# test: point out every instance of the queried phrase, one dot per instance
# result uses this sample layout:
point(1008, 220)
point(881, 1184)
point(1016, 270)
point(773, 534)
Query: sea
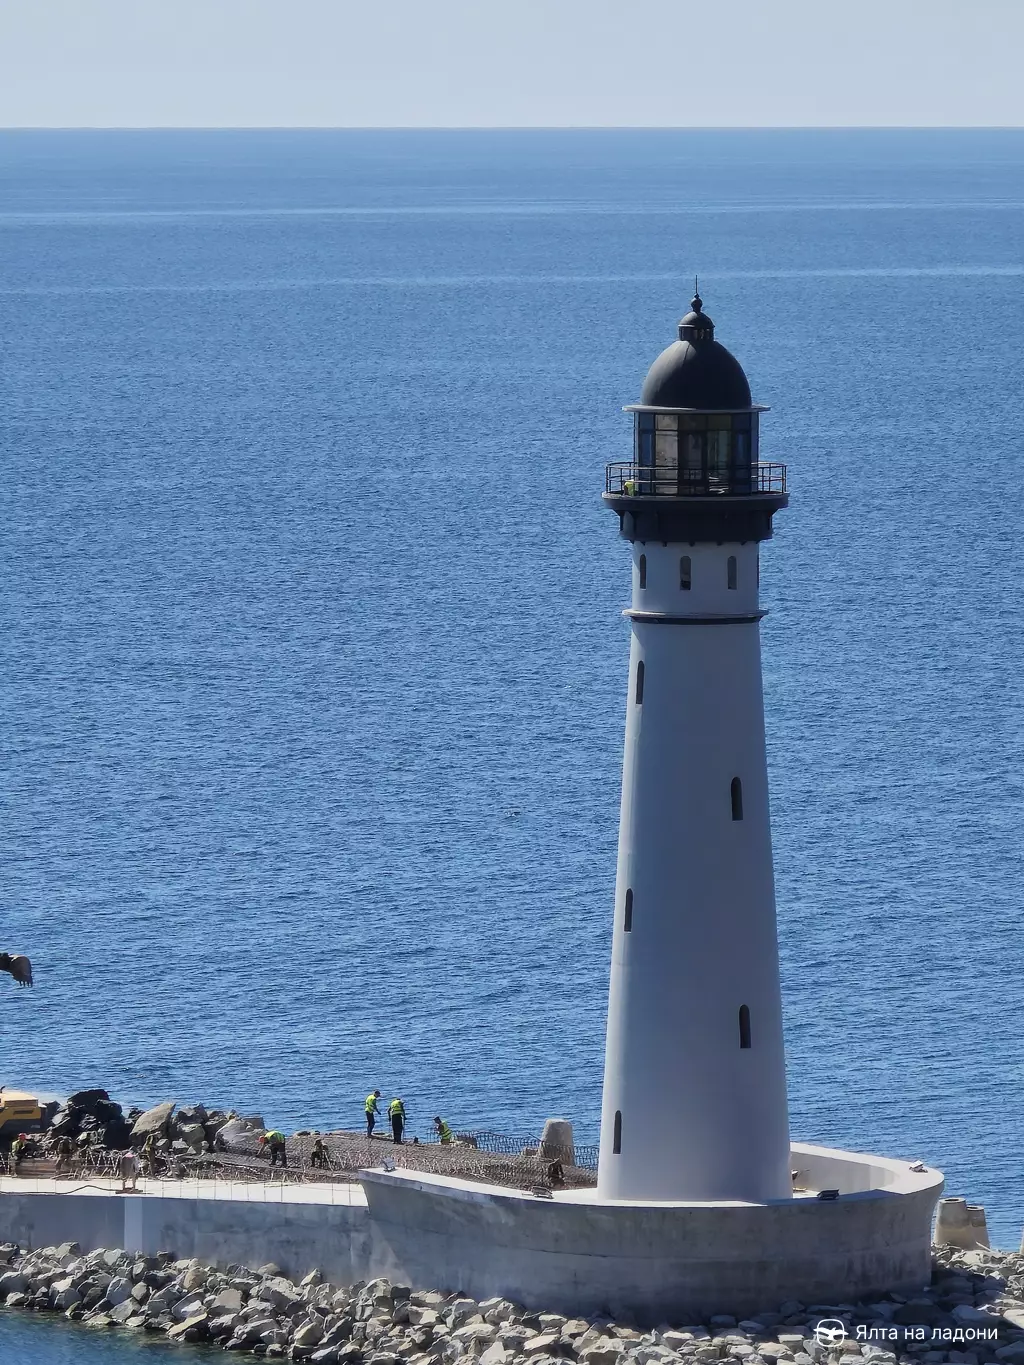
point(310, 623)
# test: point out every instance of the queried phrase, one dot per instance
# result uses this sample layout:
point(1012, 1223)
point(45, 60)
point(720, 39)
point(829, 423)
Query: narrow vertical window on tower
point(736, 795)
point(642, 566)
point(627, 916)
point(730, 571)
point(640, 683)
point(617, 1133)
point(684, 573)
point(744, 1026)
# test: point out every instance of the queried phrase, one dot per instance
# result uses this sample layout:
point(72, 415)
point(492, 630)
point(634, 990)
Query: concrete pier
point(570, 1253)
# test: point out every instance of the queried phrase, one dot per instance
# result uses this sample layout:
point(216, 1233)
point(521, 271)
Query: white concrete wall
point(659, 1262)
point(701, 1117)
point(298, 1237)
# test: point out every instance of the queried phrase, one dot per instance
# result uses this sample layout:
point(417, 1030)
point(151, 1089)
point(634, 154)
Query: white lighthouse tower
point(695, 1082)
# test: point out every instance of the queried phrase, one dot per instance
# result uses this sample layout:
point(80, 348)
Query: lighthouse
point(694, 1104)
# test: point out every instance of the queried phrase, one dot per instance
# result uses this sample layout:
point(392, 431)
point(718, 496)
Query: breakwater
point(972, 1312)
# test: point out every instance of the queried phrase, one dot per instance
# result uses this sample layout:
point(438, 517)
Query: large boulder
point(65, 1122)
point(191, 1113)
point(117, 1134)
point(86, 1099)
point(154, 1120)
point(239, 1135)
point(193, 1135)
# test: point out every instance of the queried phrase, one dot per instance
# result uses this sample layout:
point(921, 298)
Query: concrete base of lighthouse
point(663, 1262)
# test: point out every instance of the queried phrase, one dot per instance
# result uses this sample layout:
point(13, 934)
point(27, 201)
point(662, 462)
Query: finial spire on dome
point(696, 303)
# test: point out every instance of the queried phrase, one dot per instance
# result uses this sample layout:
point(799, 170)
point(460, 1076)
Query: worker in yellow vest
point(273, 1141)
point(371, 1112)
point(444, 1133)
point(396, 1113)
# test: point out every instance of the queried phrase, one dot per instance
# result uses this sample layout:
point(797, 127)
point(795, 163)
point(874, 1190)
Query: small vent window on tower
point(736, 795)
point(617, 1134)
point(643, 571)
point(684, 573)
point(640, 683)
point(627, 918)
point(730, 571)
point(744, 1026)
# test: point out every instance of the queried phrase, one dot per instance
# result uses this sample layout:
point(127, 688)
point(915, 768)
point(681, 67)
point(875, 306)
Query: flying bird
point(18, 965)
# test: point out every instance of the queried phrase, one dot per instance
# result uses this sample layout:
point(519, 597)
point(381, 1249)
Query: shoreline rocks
point(972, 1313)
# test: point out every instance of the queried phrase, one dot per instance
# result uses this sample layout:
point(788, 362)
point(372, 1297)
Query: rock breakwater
point(971, 1314)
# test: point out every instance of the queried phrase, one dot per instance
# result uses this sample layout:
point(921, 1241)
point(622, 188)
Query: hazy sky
point(246, 63)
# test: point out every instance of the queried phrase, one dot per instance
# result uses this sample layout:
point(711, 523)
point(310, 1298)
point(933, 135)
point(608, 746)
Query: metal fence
point(628, 479)
point(494, 1158)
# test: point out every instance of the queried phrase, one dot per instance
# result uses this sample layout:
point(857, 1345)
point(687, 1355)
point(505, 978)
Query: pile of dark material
point(92, 1118)
point(95, 1122)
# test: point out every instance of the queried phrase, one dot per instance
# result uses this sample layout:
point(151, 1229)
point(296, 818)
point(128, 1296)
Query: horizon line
point(512, 128)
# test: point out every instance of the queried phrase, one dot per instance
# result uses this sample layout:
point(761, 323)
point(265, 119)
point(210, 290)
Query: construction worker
point(319, 1155)
point(273, 1141)
point(64, 1150)
point(128, 1167)
point(444, 1133)
point(149, 1154)
point(18, 1151)
point(372, 1112)
point(396, 1113)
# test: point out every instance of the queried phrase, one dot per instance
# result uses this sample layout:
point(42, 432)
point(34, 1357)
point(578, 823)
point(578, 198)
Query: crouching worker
point(272, 1141)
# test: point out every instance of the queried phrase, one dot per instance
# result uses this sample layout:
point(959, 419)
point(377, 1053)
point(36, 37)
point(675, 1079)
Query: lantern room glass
point(696, 453)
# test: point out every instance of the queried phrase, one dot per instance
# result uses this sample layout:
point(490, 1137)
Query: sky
point(520, 63)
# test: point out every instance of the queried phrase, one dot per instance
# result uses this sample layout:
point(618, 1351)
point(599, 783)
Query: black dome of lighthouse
point(696, 371)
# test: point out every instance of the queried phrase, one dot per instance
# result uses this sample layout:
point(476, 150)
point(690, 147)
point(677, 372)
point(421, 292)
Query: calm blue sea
point(312, 656)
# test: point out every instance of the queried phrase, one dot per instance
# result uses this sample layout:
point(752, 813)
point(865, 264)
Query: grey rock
point(421, 1316)
point(194, 1278)
point(223, 1325)
point(154, 1120)
point(543, 1343)
point(188, 1307)
point(963, 1313)
point(602, 1354)
point(193, 1135)
point(280, 1292)
point(126, 1309)
point(308, 1333)
point(227, 1301)
point(194, 1328)
point(118, 1290)
point(239, 1135)
point(13, 1282)
point(496, 1354)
